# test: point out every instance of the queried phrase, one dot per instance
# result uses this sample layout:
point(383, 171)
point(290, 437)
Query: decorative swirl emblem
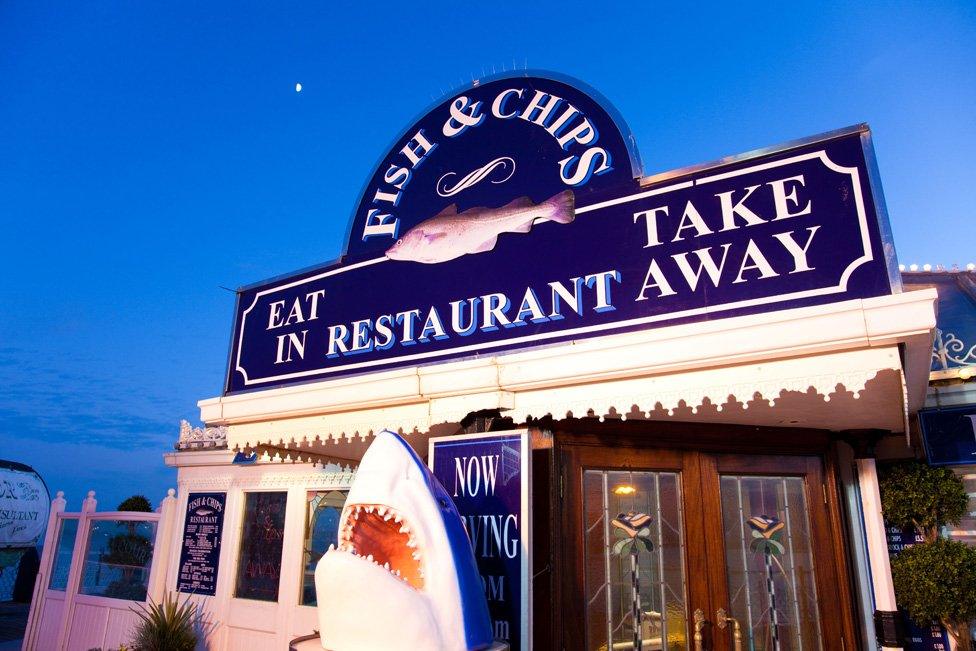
point(476, 176)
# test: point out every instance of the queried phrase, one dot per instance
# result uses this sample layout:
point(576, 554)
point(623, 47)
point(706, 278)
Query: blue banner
point(949, 435)
point(488, 252)
point(487, 475)
point(200, 553)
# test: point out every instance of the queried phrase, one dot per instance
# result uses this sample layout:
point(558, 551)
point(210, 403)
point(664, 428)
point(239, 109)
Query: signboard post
point(200, 554)
point(487, 475)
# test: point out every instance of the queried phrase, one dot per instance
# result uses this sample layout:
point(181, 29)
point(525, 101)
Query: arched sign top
point(516, 140)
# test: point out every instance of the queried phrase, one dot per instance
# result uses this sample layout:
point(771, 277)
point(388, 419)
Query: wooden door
point(701, 550)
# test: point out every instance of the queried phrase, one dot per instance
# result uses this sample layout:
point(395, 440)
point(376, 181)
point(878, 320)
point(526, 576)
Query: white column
point(90, 503)
point(161, 552)
point(44, 572)
point(874, 533)
point(88, 506)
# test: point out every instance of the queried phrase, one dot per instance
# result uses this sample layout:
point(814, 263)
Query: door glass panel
point(118, 559)
point(634, 561)
point(769, 561)
point(63, 551)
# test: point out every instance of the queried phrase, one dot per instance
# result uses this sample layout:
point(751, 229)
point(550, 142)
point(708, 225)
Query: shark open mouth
point(402, 558)
point(381, 535)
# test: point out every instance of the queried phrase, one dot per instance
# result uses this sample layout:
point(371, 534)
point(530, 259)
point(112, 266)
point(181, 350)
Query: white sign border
point(840, 287)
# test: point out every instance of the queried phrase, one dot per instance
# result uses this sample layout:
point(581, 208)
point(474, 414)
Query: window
point(118, 559)
point(322, 512)
point(965, 530)
point(62, 554)
point(262, 534)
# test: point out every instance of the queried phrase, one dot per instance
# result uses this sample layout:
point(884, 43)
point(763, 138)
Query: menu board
point(200, 555)
point(917, 638)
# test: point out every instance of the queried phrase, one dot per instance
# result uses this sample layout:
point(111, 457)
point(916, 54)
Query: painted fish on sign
point(450, 234)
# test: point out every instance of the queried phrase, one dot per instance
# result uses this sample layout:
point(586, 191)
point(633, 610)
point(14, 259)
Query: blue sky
point(154, 153)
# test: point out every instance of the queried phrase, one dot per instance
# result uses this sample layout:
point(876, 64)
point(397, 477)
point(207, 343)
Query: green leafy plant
point(937, 581)
point(136, 503)
point(166, 626)
point(914, 494)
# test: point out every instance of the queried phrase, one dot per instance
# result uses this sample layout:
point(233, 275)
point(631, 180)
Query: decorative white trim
point(949, 350)
point(417, 399)
point(194, 438)
point(840, 287)
point(269, 479)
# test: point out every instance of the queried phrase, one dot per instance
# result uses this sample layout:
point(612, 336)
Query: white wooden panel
point(253, 615)
point(47, 630)
point(87, 627)
point(247, 640)
point(305, 619)
point(120, 628)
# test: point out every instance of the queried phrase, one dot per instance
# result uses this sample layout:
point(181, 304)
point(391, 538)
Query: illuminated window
point(262, 535)
point(322, 512)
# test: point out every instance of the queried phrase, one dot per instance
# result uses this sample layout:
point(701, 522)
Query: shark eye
point(399, 242)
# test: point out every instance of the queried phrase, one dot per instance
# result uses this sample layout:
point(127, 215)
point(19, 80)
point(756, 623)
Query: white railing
point(64, 618)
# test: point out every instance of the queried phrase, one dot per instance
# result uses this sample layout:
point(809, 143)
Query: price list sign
point(200, 553)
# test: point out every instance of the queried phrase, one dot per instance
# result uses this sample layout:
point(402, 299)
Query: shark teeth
point(356, 515)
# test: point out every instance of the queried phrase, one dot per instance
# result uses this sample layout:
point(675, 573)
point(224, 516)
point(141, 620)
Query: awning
point(856, 365)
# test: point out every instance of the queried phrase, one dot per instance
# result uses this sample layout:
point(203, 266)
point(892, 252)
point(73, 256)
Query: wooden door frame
point(572, 437)
point(825, 545)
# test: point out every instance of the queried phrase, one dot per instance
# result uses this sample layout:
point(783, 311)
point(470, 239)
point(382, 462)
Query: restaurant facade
point(725, 350)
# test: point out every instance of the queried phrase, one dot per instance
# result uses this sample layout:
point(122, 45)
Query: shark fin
point(433, 237)
point(450, 210)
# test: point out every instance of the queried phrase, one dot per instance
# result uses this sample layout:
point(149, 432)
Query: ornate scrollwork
point(948, 350)
point(192, 438)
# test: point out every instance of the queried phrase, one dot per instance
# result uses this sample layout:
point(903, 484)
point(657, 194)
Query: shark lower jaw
point(363, 607)
point(380, 535)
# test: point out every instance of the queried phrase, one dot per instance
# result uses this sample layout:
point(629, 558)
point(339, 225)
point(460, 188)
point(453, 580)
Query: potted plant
point(166, 626)
point(935, 579)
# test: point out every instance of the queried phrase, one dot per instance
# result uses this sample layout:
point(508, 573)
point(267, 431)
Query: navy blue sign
point(917, 638)
point(949, 435)
point(508, 266)
point(487, 475)
point(200, 554)
point(528, 137)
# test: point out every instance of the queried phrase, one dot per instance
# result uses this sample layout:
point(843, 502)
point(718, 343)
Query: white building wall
point(229, 622)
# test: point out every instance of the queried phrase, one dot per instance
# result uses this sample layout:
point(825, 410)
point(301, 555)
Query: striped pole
point(635, 598)
point(771, 588)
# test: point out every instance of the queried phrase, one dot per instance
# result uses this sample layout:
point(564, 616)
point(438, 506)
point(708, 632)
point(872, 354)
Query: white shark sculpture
point(403, 575)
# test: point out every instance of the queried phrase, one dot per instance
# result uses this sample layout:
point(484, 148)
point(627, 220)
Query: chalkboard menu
point(259, 565)
point(917, 638)
point(200, 554)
